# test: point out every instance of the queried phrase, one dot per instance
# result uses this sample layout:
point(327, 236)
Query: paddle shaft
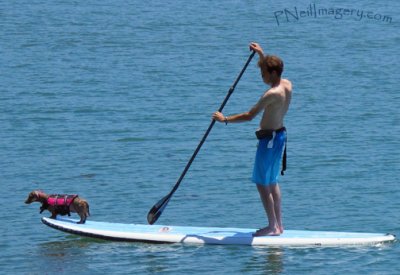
point(232, 88)
point(157, 209)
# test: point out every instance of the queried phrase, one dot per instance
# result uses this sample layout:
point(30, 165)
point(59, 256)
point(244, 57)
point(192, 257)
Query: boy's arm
point(257, 48)
point(264, 101)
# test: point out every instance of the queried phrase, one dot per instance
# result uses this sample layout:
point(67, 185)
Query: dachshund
point(60, 204)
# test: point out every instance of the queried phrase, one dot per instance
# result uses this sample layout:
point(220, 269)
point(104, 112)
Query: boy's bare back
point(277, 105)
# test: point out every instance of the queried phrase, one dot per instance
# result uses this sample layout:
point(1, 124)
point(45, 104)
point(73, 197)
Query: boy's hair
point(271, 63)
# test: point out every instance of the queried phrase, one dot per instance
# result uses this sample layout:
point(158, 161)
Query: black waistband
point(261, 134)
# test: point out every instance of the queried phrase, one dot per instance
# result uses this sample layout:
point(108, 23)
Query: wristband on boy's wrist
point(226, 120)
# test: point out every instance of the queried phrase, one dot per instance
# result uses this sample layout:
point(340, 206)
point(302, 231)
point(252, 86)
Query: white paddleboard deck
point(211, 235)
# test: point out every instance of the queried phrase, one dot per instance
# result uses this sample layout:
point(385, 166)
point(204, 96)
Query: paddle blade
point(156, 211)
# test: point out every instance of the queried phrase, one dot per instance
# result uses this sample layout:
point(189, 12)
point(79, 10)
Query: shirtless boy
point(272, 137)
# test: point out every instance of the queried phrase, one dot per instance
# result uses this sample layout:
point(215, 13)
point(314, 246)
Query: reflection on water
point(267, 260)
point(58, 248)
point(62, 254)
point(88, 255)
point(274, 260)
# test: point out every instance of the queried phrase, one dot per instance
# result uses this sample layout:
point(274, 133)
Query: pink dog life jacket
point(60, 203)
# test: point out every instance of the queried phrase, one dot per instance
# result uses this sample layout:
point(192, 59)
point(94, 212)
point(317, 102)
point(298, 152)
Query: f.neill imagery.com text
point(296, 14)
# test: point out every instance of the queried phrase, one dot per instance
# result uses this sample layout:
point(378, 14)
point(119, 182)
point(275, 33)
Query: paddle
point(156, 211)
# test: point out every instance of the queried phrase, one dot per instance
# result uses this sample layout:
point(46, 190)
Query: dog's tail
point(88, 211)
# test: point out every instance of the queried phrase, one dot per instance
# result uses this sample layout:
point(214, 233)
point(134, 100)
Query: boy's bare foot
point(267, 231)
point(262, 229)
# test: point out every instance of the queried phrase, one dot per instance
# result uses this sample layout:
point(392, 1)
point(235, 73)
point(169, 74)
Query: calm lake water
point(109, 100)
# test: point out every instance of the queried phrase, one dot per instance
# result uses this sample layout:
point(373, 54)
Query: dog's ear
point(29, 199)
point(33, 196)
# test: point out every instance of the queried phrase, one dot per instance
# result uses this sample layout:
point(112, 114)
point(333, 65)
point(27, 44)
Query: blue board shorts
point(268, 158)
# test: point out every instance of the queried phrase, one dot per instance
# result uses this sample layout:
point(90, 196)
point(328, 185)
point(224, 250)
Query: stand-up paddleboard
point(211, 235)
